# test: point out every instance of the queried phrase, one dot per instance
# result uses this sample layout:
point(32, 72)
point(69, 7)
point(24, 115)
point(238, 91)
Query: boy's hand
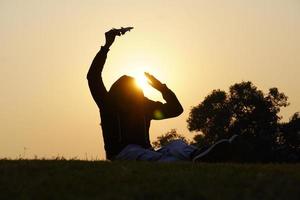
point(154, 82)
point(111, 35)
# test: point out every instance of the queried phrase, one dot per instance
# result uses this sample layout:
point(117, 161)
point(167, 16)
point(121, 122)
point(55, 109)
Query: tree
point(245, 111)
point(199, 140)
point(167, 138)
point(211, 117)
point(291, 132)
point(288, 139)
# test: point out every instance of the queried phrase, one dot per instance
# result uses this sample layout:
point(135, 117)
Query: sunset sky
point(194, 46)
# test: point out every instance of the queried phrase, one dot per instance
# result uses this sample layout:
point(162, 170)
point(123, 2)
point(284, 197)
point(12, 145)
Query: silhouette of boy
point(126, 113)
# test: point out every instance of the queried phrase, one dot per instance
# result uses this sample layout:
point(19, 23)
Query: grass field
point(62, 179)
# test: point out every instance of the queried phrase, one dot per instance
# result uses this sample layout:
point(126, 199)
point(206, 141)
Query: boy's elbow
point(180, 110)
point(90, 76)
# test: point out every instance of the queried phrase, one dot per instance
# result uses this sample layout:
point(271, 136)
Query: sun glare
point(141, 81)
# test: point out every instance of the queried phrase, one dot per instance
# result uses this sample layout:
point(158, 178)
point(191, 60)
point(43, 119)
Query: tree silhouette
point(291, 131)
point(288, 138)
point(245, 111)
point(211, 117)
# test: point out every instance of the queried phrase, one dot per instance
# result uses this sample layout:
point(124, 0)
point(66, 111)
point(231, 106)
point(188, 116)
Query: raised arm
point(158, 110)
point(94, 74)
point(94, 77)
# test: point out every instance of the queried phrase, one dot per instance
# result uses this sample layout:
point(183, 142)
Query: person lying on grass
point(126, 115)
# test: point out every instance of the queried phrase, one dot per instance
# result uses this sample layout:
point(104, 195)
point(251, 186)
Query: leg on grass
point(136, 152)
point(178, 149)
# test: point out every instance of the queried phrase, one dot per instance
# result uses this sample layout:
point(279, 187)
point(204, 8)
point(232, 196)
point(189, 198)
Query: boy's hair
point(125, 93)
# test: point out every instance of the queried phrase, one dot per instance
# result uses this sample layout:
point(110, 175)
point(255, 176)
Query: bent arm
point(172, 107)
point(94, 77)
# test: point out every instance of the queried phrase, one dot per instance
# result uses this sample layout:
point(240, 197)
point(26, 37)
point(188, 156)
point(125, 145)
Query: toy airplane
point(122, 31)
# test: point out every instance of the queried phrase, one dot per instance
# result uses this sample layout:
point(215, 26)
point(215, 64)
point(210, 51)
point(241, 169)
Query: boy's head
point(126, 94)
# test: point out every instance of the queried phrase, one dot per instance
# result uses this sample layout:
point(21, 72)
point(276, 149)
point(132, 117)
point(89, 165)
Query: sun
point(141, 81)
point(137, 72)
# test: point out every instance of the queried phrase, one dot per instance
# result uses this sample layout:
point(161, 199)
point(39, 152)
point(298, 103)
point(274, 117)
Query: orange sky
point(194, 47)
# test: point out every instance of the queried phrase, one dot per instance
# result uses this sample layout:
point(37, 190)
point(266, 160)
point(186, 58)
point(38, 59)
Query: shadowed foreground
point(61, 179)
